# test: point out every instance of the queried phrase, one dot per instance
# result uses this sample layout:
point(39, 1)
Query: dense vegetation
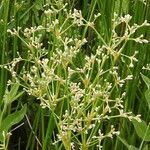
point(74, 74)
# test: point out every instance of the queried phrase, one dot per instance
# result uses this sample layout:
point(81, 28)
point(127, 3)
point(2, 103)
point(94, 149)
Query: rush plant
point(80, 72)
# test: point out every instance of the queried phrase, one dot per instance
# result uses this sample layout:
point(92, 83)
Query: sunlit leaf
point(12, 95)
point(146, 80)
point(147, 92)
point(11, 120)
point(142, 130)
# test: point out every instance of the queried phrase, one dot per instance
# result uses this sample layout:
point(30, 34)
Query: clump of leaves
point(7, 120)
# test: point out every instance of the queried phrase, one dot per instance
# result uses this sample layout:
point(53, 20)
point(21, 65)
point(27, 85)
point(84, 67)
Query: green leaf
point(14, 90)
point(147, 92)
point(130, 147)
point(123, 141)
point(121, 5)
point(146, 80)
point(146, 147)
point(12, 119)
point(147, 96)
point(12, 95)
point(39, 4)
point(142, 130)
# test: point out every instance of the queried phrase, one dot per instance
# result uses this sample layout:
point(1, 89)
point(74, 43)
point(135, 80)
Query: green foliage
point(12, 95)
point(79, 72)
point(147, 92)
point(7, 118)
point(11, 120)
point(129, 147)
point(146, 80)
point(142, 130)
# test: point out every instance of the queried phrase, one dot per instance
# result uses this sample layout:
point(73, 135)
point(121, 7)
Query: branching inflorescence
point(89, 92)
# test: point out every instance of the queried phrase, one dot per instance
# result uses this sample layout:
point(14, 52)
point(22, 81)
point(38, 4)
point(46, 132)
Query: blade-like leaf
point(147, 93)
point(146, 80)
point(142, 130)
point(129, 147)
point(14, 90)
point(11, 95)
point(123, 4)
point(12, 119)
point(123, 141)
point(146, 147)
point(147, 96)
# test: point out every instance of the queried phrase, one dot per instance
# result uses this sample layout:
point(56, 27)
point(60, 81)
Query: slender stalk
point(4, 47)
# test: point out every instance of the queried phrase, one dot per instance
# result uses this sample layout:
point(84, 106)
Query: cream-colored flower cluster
point(90, 91)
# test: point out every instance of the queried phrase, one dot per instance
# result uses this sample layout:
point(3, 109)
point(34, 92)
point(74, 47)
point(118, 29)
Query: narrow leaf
point(14, 90)
point(142, 130)
point(129, 147)
point(12, 119)
point(123, 141)
point(147, 92)
point(9, 96)
point(147, 96)
point(146, 147)
point(146, 80)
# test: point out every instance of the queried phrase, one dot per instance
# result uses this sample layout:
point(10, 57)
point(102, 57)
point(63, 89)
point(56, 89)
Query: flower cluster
point(86, 92)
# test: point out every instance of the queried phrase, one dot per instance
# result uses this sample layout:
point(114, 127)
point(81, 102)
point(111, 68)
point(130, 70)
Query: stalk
point(4, 47)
